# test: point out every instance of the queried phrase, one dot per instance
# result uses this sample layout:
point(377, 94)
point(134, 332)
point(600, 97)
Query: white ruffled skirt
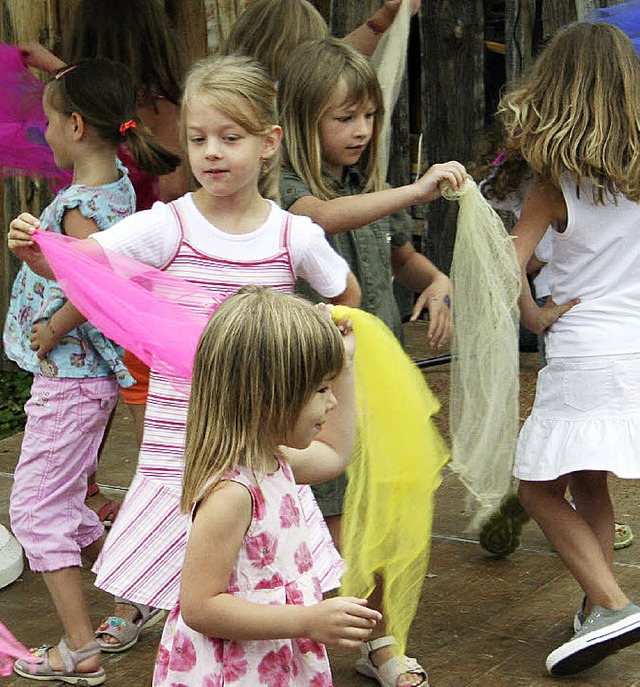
point(586, 416)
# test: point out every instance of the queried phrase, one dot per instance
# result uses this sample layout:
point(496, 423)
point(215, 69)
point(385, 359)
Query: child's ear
point(78, 126)
point(272, 142)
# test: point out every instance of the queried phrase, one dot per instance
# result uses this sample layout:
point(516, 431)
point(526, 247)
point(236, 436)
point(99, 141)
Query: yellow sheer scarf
point(388, 507)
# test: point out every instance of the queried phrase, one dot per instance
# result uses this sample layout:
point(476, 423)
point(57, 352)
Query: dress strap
point(175, 208)
point(285, 232)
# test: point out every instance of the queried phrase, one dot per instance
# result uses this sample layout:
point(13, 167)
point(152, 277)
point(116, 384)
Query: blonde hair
point(308, 82)
point(579, 113)
point(242, 90)
point(257, 364)
point(260, 31)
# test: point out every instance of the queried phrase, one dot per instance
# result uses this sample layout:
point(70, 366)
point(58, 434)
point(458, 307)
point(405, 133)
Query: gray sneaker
point(603, 633)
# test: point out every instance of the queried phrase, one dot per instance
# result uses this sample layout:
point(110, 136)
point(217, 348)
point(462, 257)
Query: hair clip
point(125, 126)
point(63, 71)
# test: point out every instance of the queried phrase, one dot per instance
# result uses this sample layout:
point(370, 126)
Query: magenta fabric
point(145, 310)
point(10, 649)
point(23, 148)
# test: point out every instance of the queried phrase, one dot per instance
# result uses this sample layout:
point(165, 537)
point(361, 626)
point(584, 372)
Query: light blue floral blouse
point(85, 351)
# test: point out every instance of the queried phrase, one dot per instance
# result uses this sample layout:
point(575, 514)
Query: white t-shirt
point(153, 236)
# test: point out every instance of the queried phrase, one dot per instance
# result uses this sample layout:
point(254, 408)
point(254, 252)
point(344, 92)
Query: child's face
point(345, 131)
point(57, 133)
point(312, 416)
point(225, 158)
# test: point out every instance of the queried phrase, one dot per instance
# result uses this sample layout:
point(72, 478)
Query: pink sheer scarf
point(11, 649)
point(157, 316)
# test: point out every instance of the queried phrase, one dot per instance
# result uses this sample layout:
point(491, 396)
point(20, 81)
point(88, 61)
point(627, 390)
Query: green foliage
point(14, 392)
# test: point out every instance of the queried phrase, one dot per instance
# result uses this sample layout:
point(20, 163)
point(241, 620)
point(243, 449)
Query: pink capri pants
point(66, 420)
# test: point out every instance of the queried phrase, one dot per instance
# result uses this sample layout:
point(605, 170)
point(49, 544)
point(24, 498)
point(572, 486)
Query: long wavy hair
point(309, 79)
point(259, 359)
point(579, 112)
point(243, 90)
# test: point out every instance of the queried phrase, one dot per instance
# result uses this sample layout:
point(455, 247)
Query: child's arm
point(330, 452)
point(543, 206)
point(417, 273)
point(366, 37)
point(218, 531)
point(46, 335)
point(36, 55)
point(351, 212)
point(351, 296)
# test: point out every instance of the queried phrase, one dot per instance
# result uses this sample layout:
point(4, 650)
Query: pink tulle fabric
point(155, 315)
point(11, 649)
point(23, 148)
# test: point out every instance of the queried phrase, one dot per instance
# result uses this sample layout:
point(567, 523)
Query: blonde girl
point(270, 370)
point(332, 113)
point(576, 122)
point(258, 33)
point(91, 110)
point(222, 236)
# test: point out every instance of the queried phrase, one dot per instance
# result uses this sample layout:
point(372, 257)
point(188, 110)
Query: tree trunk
point(520, 17)
point(453, 98)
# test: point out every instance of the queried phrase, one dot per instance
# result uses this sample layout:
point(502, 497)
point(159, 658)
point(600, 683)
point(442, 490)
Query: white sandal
point(388, 673)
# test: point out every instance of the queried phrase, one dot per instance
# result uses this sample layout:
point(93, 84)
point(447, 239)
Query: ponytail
point(148, 154)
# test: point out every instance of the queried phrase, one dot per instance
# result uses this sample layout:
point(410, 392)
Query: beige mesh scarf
point(389, 61)
point(484, 417)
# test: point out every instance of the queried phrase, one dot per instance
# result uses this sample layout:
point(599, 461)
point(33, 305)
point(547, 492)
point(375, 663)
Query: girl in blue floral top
point(91, 109)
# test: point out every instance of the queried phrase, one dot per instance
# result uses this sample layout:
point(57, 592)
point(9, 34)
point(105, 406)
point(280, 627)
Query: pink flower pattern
point(274, 567)
point(303, 559)
point(289, 512)
point(275, 669)
point(261, 549)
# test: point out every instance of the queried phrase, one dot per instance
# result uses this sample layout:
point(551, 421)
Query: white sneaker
point(603, 633)
point(11, 564)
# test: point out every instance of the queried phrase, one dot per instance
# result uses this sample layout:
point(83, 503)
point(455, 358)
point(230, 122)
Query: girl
point(332, 115)
point(136, 33)
point(222, 236)
point(242, 617)
point(91, 109)
point(258, 33)
point(576, 122)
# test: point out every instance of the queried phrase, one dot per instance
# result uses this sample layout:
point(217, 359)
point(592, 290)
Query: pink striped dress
point(142, 557)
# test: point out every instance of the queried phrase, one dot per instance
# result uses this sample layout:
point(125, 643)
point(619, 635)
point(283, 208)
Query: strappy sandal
point(108, 512)
point(388, 673)
point(70, 659)
point(127, 632)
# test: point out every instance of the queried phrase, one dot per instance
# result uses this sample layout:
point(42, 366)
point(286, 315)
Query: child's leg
point(65, 422)
point(579, 540)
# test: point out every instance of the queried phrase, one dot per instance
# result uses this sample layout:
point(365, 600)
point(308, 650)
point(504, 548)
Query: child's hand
point(428, 186)
point(342, 621)
point(20, 239)
point(36, 55)
point(437, 298)
point(537, 319)
point(43, 338)
point(346, 329)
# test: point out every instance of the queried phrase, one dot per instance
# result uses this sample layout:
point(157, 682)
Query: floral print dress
point(274, 567)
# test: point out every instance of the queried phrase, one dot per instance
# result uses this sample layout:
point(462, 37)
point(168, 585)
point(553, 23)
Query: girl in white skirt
point(577, 124)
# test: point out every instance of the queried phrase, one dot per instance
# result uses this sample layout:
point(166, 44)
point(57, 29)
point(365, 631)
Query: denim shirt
point(85, 351)
point(366, 249)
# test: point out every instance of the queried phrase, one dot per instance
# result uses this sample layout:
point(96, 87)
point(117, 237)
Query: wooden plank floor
point(480, 622)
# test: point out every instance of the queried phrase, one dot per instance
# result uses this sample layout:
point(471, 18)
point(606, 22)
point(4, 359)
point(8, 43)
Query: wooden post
point(519, 22)
point(453, 99)
point(189, 20)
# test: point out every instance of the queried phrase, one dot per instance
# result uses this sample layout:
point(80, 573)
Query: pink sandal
point(70, 659)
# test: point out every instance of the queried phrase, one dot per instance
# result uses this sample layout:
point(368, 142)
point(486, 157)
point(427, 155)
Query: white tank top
point(597, 259)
